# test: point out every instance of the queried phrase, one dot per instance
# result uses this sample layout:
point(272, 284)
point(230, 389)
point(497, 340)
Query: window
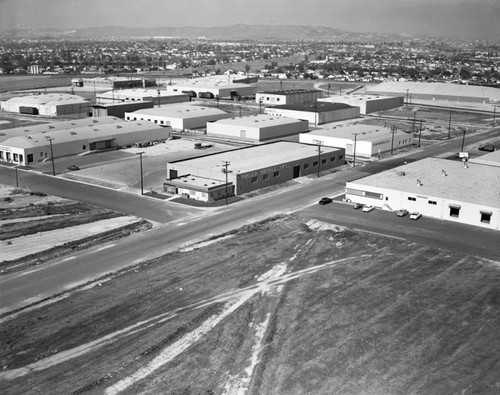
point(454, 210)
point(253, 180)
point(315, 163)
point(412, 198)
point(16, 157)
point(323, 161)
point(486, 217)
point(306, 166)
point(1, 155)
point(265, 177)
point(84, 146)
point(332, 159)
point(432, 202)
point(341, 157)
point(20, 158)
point(30, 158)
point(276, 173)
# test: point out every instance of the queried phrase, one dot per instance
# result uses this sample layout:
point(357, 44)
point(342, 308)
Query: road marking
point(105, 247)
point(68, 258)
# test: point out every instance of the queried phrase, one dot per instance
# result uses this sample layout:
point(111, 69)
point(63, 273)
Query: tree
point(247, 68)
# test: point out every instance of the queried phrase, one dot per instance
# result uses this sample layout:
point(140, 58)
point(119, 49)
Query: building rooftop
point(259, 120)
point(247, 159)
point(183, 110)
point(443, 178)
point(364, 132)
point(314, 107)
point(352, 98)
point(290, 92)
point(196, 182)
point(49, 98)
point(437, 88)
point(138, 93)
point(491, 159)
point(96, 132)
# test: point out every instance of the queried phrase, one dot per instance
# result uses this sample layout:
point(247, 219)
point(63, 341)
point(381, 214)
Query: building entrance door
point(296, 171)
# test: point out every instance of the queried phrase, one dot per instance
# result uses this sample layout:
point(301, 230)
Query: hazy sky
point(462, 18)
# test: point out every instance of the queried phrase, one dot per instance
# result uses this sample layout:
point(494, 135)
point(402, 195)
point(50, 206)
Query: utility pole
point(240, 111)
point(420, 133)
point(226, 164)
point(140, 164)
point(17, 179)
point(354, 150)
point(449, 127)
point(407, 95)
point(494, 114)
point(393, 130)
point(463, 142)
point(413, 125)
point(328, 90)
point(281, 85)
point(158, 97)
point(49, 139)
point(260, 105)
point(318, 142)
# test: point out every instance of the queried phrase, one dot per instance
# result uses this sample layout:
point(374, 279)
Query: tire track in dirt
point(233, 300)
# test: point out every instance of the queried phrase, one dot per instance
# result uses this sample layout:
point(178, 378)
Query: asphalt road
point(186, 225)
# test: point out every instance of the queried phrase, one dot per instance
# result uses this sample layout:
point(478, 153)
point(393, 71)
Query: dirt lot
point(35, 227)
point(282, 307)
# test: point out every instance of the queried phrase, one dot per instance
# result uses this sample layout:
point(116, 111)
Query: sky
point(469, 19)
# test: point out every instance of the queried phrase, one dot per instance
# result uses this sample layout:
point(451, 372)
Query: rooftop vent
point(444, 173)
point(419, 182)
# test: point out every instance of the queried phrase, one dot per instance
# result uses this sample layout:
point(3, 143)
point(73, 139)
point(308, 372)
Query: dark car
point(357, 206)
point(402, 213)
point(73, 167)
point(325, 200)
point(486, 147)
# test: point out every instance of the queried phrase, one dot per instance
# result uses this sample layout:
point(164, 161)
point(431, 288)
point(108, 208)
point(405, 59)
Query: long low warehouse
point(438, 188)
point(367, 103)
point(365, 141)
point(316, 113)
point(38, 147)
point(243, 170)
point(256, 128)
point(50, 105)
point(178, 116)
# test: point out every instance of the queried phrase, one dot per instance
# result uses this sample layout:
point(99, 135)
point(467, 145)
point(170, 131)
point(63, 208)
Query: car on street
point(402, 212)
point(486, 147)
point(357, 206)
point(325, 200)
point(73, 167)
point(415, 215)
point(368, 208)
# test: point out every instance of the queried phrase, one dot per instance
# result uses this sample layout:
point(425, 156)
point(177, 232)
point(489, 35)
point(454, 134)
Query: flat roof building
point(156, 96)
point(113, 82)
point(414, 92)
point(248, 169)
point(491, 159)
point(256, 128)
point(53, 126)
point(368, 140)
point(315, 113)
point(204, 88)
point(445, 189)
point(288, 96)
point(50, 105)
point(367, 103)
point(38, 147)
point(178, 116)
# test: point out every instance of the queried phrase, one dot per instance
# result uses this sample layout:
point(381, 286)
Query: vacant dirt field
point(281, 307)
point(35, 227)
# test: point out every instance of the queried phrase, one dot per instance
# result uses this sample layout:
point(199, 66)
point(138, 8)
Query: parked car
point(368, 208)
point(415, 215)
point(73, 167)
point(402, 213)
point(357, 206)
point(486, 147)
point(325, 200)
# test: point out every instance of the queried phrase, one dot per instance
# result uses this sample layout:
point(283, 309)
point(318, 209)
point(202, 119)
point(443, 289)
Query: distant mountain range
point(234, 32)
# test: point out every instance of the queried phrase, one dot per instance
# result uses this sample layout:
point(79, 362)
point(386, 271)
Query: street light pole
point(140, 164)
point(49, 139)
point(226, 163)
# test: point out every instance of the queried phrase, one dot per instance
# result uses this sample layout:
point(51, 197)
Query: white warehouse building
point(156, 96)
point(370, 141)
point(367, 103)
point(256, 128)
point(38, 147)
point(315, 113)
point(178, 116)
point(288, 96)
point(456, 191)
point(49, 105)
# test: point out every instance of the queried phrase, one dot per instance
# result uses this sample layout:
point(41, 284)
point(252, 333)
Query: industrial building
point(49, 105)
point(53, 126)
point(456, 191)
point(156, 96)
point(243, 170)
point(367, 103)
point(415, 92)
point(366, 141)
point(119, 109)
point(39, 147)
point(315, 113)
point(178, 116)
point(491, 159)
point(256, 128)
point(208, 89)
point(6, 124)
point(113, 82)
point(288, 96)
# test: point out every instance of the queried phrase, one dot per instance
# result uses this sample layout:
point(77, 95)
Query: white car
point(415, 215)
point(368, 208)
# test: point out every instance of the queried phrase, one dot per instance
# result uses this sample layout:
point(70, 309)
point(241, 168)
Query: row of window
point(253, 180)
